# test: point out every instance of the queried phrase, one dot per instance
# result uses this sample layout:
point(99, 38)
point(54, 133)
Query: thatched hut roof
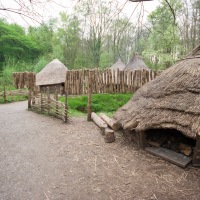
point(52, 73)
point(136, 63)
point(118, 65)
point(171, 101)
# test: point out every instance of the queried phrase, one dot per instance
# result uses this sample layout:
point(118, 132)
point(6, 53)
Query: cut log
point(109, 135)
point(131, 125)
point(99, 122)
point(152, 143)
point(111, 122)
point(157, 143)
point(185, 149)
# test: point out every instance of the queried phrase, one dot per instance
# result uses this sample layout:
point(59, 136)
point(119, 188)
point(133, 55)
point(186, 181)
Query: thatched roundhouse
point(118, 65)
point(53, 75)
point(171, 101)
point(136, 63)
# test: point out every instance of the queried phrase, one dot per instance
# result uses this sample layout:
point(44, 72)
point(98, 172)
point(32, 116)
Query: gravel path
point(43, 158)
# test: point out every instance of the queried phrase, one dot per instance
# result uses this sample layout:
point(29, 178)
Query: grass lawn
point(107, 103)
point(13, 99)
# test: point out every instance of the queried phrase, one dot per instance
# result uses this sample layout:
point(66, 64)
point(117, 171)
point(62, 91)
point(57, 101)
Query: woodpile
point(107, 126)
point(170, 140)
point(24, 79)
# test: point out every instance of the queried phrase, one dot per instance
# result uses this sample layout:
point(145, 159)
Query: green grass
point(13, 99)
point(107, 103)
point(10, 99)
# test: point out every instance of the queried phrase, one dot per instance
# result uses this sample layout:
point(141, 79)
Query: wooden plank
point(196, 156)
point(169, 155)
point(142, 139)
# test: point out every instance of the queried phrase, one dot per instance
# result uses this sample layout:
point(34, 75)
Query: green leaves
point(15, 43)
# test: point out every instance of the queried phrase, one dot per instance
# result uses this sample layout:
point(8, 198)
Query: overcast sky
point(48, 9)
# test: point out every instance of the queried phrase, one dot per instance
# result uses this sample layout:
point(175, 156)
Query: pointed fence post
point(29, 98)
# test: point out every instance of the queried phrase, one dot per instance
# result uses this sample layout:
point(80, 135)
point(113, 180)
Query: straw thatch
point(136, 63)
point(52, 73)
point(118, 65)
point(171, 101)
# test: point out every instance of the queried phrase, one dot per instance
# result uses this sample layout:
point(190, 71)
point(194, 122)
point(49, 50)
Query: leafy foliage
point(94, 35)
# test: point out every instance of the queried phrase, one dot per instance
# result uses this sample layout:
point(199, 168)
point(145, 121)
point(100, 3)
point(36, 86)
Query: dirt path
point(43, 158)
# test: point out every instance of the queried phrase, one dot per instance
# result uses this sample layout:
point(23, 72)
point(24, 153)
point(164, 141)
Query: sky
point(43, 10)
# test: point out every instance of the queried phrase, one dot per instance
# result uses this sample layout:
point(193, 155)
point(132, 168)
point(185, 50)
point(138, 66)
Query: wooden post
point(66, 106)
point(118, 81)
point(41, 101)
point(56, 98)
point(89, 106)
point(48, 100)
point(141, 139)
point(196, 156)
point(4, 93)
point(29, 98)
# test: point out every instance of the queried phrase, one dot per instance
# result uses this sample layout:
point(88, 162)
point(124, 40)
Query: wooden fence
point(46, 103)
point(11, 95)
point(107, 81)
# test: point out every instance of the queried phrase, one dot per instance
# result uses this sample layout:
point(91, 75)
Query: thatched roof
point(136, 63)
point(195, 52)
point(170, 101)
point(52, 73)
point(118, 65)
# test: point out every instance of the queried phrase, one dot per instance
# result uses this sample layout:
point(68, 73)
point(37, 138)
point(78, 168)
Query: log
point(111, 122)
point(131, 125)
point(109, 135)
point(98, 121)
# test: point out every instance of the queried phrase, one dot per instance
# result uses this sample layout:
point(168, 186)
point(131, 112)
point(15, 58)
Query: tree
point(14, 43)
point(162, 44)
point(43, 36)
point(67, 39)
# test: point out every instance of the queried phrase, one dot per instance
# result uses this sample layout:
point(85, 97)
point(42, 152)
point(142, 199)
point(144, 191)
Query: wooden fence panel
point(46, 103)
point(9, 95)
point(107, 81)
